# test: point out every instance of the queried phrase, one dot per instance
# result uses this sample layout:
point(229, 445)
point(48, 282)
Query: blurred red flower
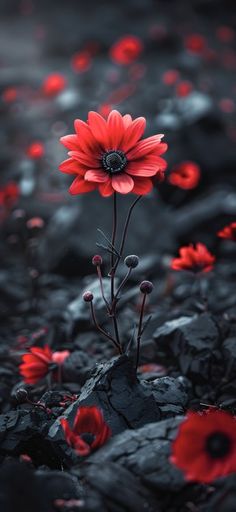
point(126, 50)
point(81, 61)
point(39, 361)
point(35, 150)
point(9, 94)
point(228, 232)
point(89, 430)
point(184, 88)
point(9, 195)
point(205, 446)
point(170, 76)
point(195, 43)
point(197, 259)
point(108, 155)
point(53, 84)
point(186, 175)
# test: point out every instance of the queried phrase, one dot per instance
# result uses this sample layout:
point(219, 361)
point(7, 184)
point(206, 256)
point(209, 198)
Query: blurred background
point(173, 62)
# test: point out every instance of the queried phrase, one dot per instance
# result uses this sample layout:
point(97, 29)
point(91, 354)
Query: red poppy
point(9, 194)
point(228, 232)
point(126, 50)
point(186, 175)
point(184, 88)
point(54, 84)
point(35, 150)
point(197, 259)
point(195, 43)
point(108, 155)
point(205, 446)
point(89, 430)
point(39, 361)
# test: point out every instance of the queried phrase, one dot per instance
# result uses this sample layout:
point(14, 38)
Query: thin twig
point(139, 334)
point(116, 296)
point(99, 328)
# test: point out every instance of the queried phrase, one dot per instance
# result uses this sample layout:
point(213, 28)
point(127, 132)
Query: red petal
point(115, 129)
point(133, 133)
point(142, 186)
point(71, 166)
point(70, 142)
point(80, 186)
point(99, 129)
point(106, 189)
point(96, 175)
point(144, 147)
point(137, 169)
point(88, 160)
point(127, 120)
point(87, 142)
point(122, 183)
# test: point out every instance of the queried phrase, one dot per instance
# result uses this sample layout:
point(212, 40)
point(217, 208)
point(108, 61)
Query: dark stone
point(171, 395)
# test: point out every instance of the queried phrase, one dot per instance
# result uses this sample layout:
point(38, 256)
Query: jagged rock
point(171, 395)
point(125, 402)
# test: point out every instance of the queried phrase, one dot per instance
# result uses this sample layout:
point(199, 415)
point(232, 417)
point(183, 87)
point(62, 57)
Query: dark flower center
point(114, 161)
point(218, 445)
point(88, 437)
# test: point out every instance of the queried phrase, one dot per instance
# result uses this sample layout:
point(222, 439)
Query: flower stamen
point(114, 161)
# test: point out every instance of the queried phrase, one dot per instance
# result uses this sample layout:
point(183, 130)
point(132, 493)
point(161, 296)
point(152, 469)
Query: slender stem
point(116, 296)
point(106, 334)
point(140, 329)
point(113, 238)
point(124, 234)
point(101, 288)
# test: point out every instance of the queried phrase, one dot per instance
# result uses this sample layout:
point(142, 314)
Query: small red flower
point(205, 446)
point(170, 76)
point(9, 195)
point(195, 43)
point(38, 362)
point(54, 84)
point(186, 175)
point(126, 50)
point(89, 430)
point(108, 155)
point(35, 150)
point(81, 61)
point(228, 232)
point(183, 88)
point(197, 259)
point(9, 94)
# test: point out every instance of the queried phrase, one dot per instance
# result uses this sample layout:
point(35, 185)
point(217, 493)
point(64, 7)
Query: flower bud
point(146, 287)
point(131, 261)
point(97, 260)
point(87, 296)
point(21, 395)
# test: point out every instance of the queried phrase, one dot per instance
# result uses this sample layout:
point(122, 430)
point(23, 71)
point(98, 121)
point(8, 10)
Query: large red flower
point(89, 430)
point(9, 195)
point(108, 155)
point(186, 175)
point(205, 446)
point(228, 232)
point(39, 361)
point(196, 259)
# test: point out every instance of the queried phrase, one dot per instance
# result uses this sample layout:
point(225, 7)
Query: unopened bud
point(21, 395)
point(97, 260)
point(146, 287)
point(131, 261)
point(87, 296)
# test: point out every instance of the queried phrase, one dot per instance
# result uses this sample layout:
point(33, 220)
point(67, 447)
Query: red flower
point(184, 88)
point(9, 194)
point(9, 94)
point(39, 361)
point(170, 76)
point(89, 430)
point(35, 150)
point(195, 43)
point(197, 259)
point(228, 232)
point(54, 84)
point(108, 155)
point(186, 175)
point(81, 61)
point(126, 50)
point(205, 447)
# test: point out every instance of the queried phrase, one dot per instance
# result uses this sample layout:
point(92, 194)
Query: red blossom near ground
point(9, 195)
point(53, 84)
point(195, 43)
point(205, 446)
point(183, 88)
point(35, 222)
point(170, 77)
point(228, 232)
point(195, 259)
point(108, 155)
point(81, 61)
point(36, 364)
point(185, 175)
point(35, 150)
point(126, 50)
point(9, 94)
point(89, 430)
